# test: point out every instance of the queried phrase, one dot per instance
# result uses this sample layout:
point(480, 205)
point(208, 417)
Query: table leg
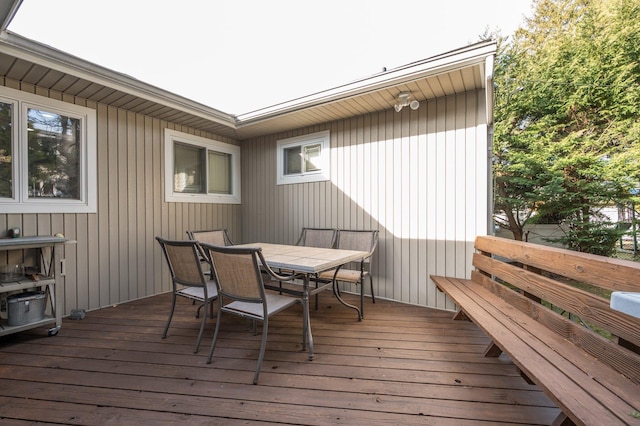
point(306, 328)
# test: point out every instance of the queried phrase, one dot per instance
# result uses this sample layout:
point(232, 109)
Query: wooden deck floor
point(402, 365)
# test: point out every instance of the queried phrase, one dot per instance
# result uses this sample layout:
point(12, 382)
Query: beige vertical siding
point(419, 177)
point(116, 257)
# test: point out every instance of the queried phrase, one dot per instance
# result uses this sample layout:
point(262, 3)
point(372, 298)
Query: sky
point(239, 56)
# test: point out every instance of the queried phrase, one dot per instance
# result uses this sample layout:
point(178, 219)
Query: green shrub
point(591, 237)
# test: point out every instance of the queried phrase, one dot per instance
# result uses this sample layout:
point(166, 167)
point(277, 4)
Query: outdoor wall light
point(403, 101)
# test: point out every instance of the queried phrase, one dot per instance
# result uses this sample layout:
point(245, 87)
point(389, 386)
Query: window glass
point(53, 155)
point(292, 160)
point(312, 157)
point(219, 173)
point(188, 168)
point(6, 158)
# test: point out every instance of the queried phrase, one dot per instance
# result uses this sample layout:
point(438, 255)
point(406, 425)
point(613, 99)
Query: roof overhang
point(33, 63)
point(454, 72)
point(8, 10)
point(30, 62)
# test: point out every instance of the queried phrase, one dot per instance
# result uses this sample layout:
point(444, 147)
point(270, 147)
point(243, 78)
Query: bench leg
point(492, 351)
point(562, 420)
point(460, 316)
point(526, 378)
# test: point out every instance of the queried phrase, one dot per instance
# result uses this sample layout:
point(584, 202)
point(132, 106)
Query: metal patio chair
point(238, 272)
point(354, 240)
point(188, 279)
point(318, 237)
point(217, 237)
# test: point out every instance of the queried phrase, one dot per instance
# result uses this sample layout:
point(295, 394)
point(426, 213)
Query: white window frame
point(20, 202)
point(324, 139)
point(173, 136)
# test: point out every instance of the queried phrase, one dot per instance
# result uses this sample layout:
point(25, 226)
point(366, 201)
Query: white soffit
point(442, 75)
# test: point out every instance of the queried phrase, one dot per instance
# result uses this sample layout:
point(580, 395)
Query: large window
point(199, 170)
point(303, 158)
point(47, 155)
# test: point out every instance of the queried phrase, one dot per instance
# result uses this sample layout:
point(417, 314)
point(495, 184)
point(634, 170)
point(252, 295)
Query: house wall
point(116, 257)
point(419, 177)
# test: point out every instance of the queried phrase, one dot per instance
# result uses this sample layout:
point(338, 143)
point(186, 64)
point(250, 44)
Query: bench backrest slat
point(586, 305)
point(608, 273)
point(547, 274)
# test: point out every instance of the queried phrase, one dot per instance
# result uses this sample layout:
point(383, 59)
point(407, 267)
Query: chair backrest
point(318, 237)
point(358, 240)
point(237, 271)
point(183, 258)
point(216, 237)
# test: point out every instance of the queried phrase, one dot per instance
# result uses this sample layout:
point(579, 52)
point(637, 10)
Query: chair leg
point(204, 305)
point(336, 293)
point(204, 321)
point(173, 307)
point(263, 344)
point(215, 335)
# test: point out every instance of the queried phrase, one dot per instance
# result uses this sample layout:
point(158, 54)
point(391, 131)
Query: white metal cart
point(48, 279)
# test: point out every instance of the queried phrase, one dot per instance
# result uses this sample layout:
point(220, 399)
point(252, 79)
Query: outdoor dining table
point(306, 261)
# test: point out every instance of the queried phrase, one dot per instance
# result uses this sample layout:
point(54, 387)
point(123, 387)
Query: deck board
point(401, 365)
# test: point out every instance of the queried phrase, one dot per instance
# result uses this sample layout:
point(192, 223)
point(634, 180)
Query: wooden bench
point(524, 297)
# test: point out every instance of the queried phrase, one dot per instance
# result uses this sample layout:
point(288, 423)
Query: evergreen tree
point(567, 118)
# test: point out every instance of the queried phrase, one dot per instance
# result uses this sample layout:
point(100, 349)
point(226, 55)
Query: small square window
point(201, 170)
point(303, 158)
